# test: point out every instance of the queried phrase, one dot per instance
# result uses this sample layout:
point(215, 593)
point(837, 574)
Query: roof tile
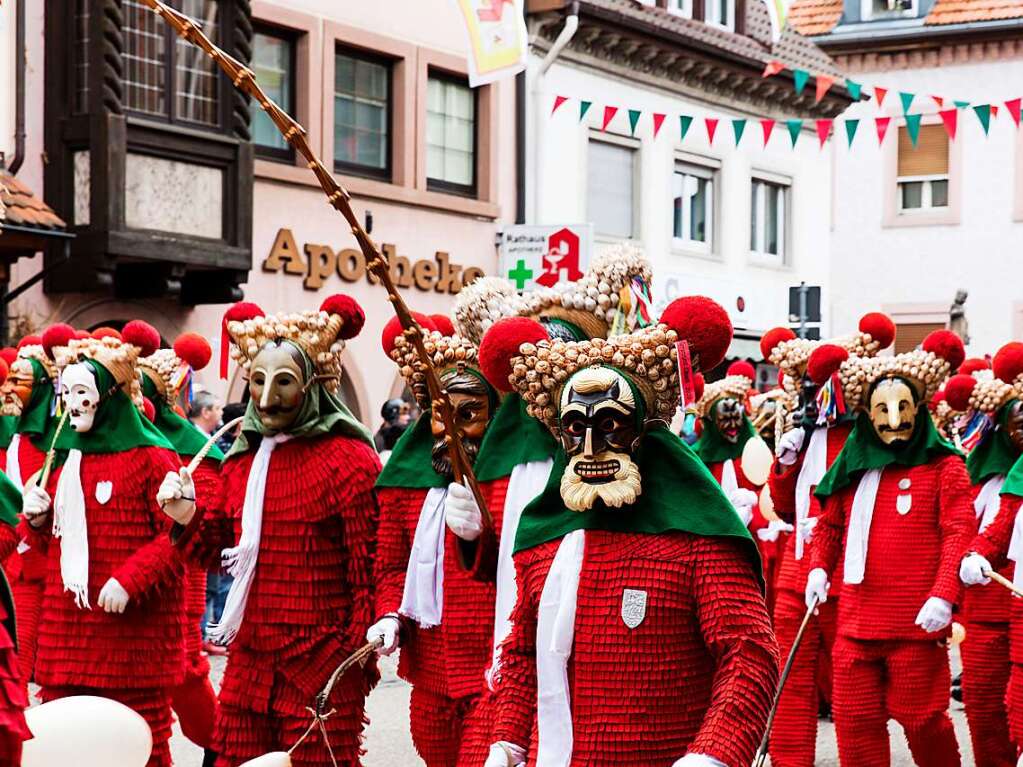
point(18, 206)
point(964, 11)
point(815, 17)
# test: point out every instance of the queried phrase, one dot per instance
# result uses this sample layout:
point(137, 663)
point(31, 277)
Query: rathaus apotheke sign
point(316, 264)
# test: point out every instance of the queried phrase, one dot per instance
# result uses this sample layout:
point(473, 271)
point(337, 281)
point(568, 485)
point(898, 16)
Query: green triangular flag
point(850, 129)
point(633, 120)
point(685, 121)
point(795, 128)
point(913, 127)
point(984, 115)
point(961, 104)
point(584, 107)
point(738, 126)
point(907, 100)
point(801, 77)
point(854, 89)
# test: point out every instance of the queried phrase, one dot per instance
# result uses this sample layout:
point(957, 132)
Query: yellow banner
point(497, 36)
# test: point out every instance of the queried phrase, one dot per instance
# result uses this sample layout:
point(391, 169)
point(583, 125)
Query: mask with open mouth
point(728, 414)
point(599, 432)
point(470, 399)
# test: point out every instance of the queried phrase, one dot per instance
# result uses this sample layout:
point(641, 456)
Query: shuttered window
point(923, 169)
point(910, 335)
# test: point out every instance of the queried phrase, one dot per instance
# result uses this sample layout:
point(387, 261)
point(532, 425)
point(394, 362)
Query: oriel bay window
point(362, 114)
point(273, 61)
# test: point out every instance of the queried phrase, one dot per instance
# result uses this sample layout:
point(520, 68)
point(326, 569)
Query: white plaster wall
point(7, 59)
point(732, 272)
point(875, 266)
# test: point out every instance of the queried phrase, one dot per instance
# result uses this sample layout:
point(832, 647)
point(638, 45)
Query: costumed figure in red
point(992, 650)
point(295, 525)
point(814, 434)
point(897, 516)
point(166, 383)
point(112, 620)
point(426, 602)
point(639, 635)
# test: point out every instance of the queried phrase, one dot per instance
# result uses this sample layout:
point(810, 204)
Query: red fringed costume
point(884, 665)
point(13, 701)
point(135, 657)
point(310, 603)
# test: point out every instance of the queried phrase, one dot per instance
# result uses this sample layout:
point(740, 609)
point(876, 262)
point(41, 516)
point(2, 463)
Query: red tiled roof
point(963, 11)
point(815, 17)
point(19, 207)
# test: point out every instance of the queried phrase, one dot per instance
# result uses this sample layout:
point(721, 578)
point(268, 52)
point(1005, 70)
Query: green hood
point(513, 437)
point(411, 461)
point(8, 428)
point(679, 494)
point(186, 438)
point(996, 454)
point(37, 418)
point(10, 501)
point(712, 447)
point(118, 425)
point(864, 450)
point(321, 413)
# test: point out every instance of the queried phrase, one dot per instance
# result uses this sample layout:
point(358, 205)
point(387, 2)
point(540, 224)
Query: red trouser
point(151, 705)
point(195, 703)
point(906, 680)
point(794, 732)
point(1014, 702)
point(28, 598)
point(448, 732)
point(985, 681)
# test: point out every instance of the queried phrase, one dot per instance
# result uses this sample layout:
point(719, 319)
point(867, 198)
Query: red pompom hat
point(824, 362)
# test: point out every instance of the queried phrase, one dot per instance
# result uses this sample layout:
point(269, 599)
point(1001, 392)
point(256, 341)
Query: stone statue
point(957, 321)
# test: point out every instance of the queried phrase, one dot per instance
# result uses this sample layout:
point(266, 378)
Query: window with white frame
point(769, 204)
point(450, 134)
point(682, 8)
point(872, 10)
point(923, 169)
point(692, 191)
point(720, 13)
point(611, 188)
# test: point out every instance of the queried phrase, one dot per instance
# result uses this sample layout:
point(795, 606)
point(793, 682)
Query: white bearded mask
point(80, 395)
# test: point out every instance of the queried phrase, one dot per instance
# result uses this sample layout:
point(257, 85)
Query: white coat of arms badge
point(633, 607)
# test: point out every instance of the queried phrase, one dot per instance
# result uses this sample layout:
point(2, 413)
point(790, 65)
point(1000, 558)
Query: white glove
point(461, 513)
point(935, 615)
point(698, 760)
point(176, 496)
point(817, 586)
point(35, 505)
point(973, 570)
point(504, 754)
point(386, 629)
point(112, 597)
point(806, 528)
point(789, 445)
point(743, 500)
point(770, 533)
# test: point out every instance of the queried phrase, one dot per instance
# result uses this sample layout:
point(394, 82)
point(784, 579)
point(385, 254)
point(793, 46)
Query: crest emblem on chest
point(633, 607)
point(104, 490)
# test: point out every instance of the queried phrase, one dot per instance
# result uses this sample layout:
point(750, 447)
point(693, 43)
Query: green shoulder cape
point(864, 450)
point(186, 438)
point(411, 462)
point(679, 495)
point(995, 454)
point(513, 437)
point(712, 447)
point(10, 501)
point(8, 428)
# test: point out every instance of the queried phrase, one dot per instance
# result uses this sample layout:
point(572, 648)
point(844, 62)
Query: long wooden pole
point(1001, 580)
point(244, 79)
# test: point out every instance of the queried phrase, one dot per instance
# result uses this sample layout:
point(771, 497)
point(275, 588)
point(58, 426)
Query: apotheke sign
point(317, 263)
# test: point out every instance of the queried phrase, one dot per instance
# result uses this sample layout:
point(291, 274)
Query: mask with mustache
point(277, 381)
point(893, 409)
point(470, 399)
point(728, 413)
point(17, 389)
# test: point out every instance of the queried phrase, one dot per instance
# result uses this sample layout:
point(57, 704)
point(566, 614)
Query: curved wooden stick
point(245, 80)
point(1001, 580)
point(359, 656)
point(214, 438)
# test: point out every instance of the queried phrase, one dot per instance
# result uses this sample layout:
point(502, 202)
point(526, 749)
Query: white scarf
point(423, 597)
point(527, 481)
point(859, 526)
point(729, 481)
point(815, 466)
point(240, 561)
point(988, 501)
point(555, 633)
point(70, 526)
point(1016, 548)
point(14, 462)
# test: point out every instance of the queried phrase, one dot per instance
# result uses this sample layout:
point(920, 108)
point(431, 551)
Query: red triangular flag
point(558, 101)
point(1013, 106)
point(939, 101)
point(879, 94)
point(773, 67)
point(767, 126)
point(824, 130)
point(950, 118)
point(824, 82)
point(609, 115)
point(712, 126)
point(994, 111)
point(882, 127)
point(658, 122)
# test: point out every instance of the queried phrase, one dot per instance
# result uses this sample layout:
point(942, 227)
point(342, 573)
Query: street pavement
point(388, 743)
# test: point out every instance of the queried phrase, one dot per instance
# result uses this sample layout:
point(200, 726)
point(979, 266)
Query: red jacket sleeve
point(737, 632)
point(157, 562)
point(826, 544)
point(393, 549)
point(214, 530)
point(993, 543)
point(516, 674)
point(8, 540)
point(958, 522)
point(782, 484)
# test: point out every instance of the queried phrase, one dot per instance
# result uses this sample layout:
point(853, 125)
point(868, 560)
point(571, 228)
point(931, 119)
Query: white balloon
point(86, 731)
point(274, 759)
point(756, 460)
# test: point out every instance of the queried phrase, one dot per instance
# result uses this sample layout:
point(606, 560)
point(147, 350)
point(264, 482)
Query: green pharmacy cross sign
point(520, 275)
